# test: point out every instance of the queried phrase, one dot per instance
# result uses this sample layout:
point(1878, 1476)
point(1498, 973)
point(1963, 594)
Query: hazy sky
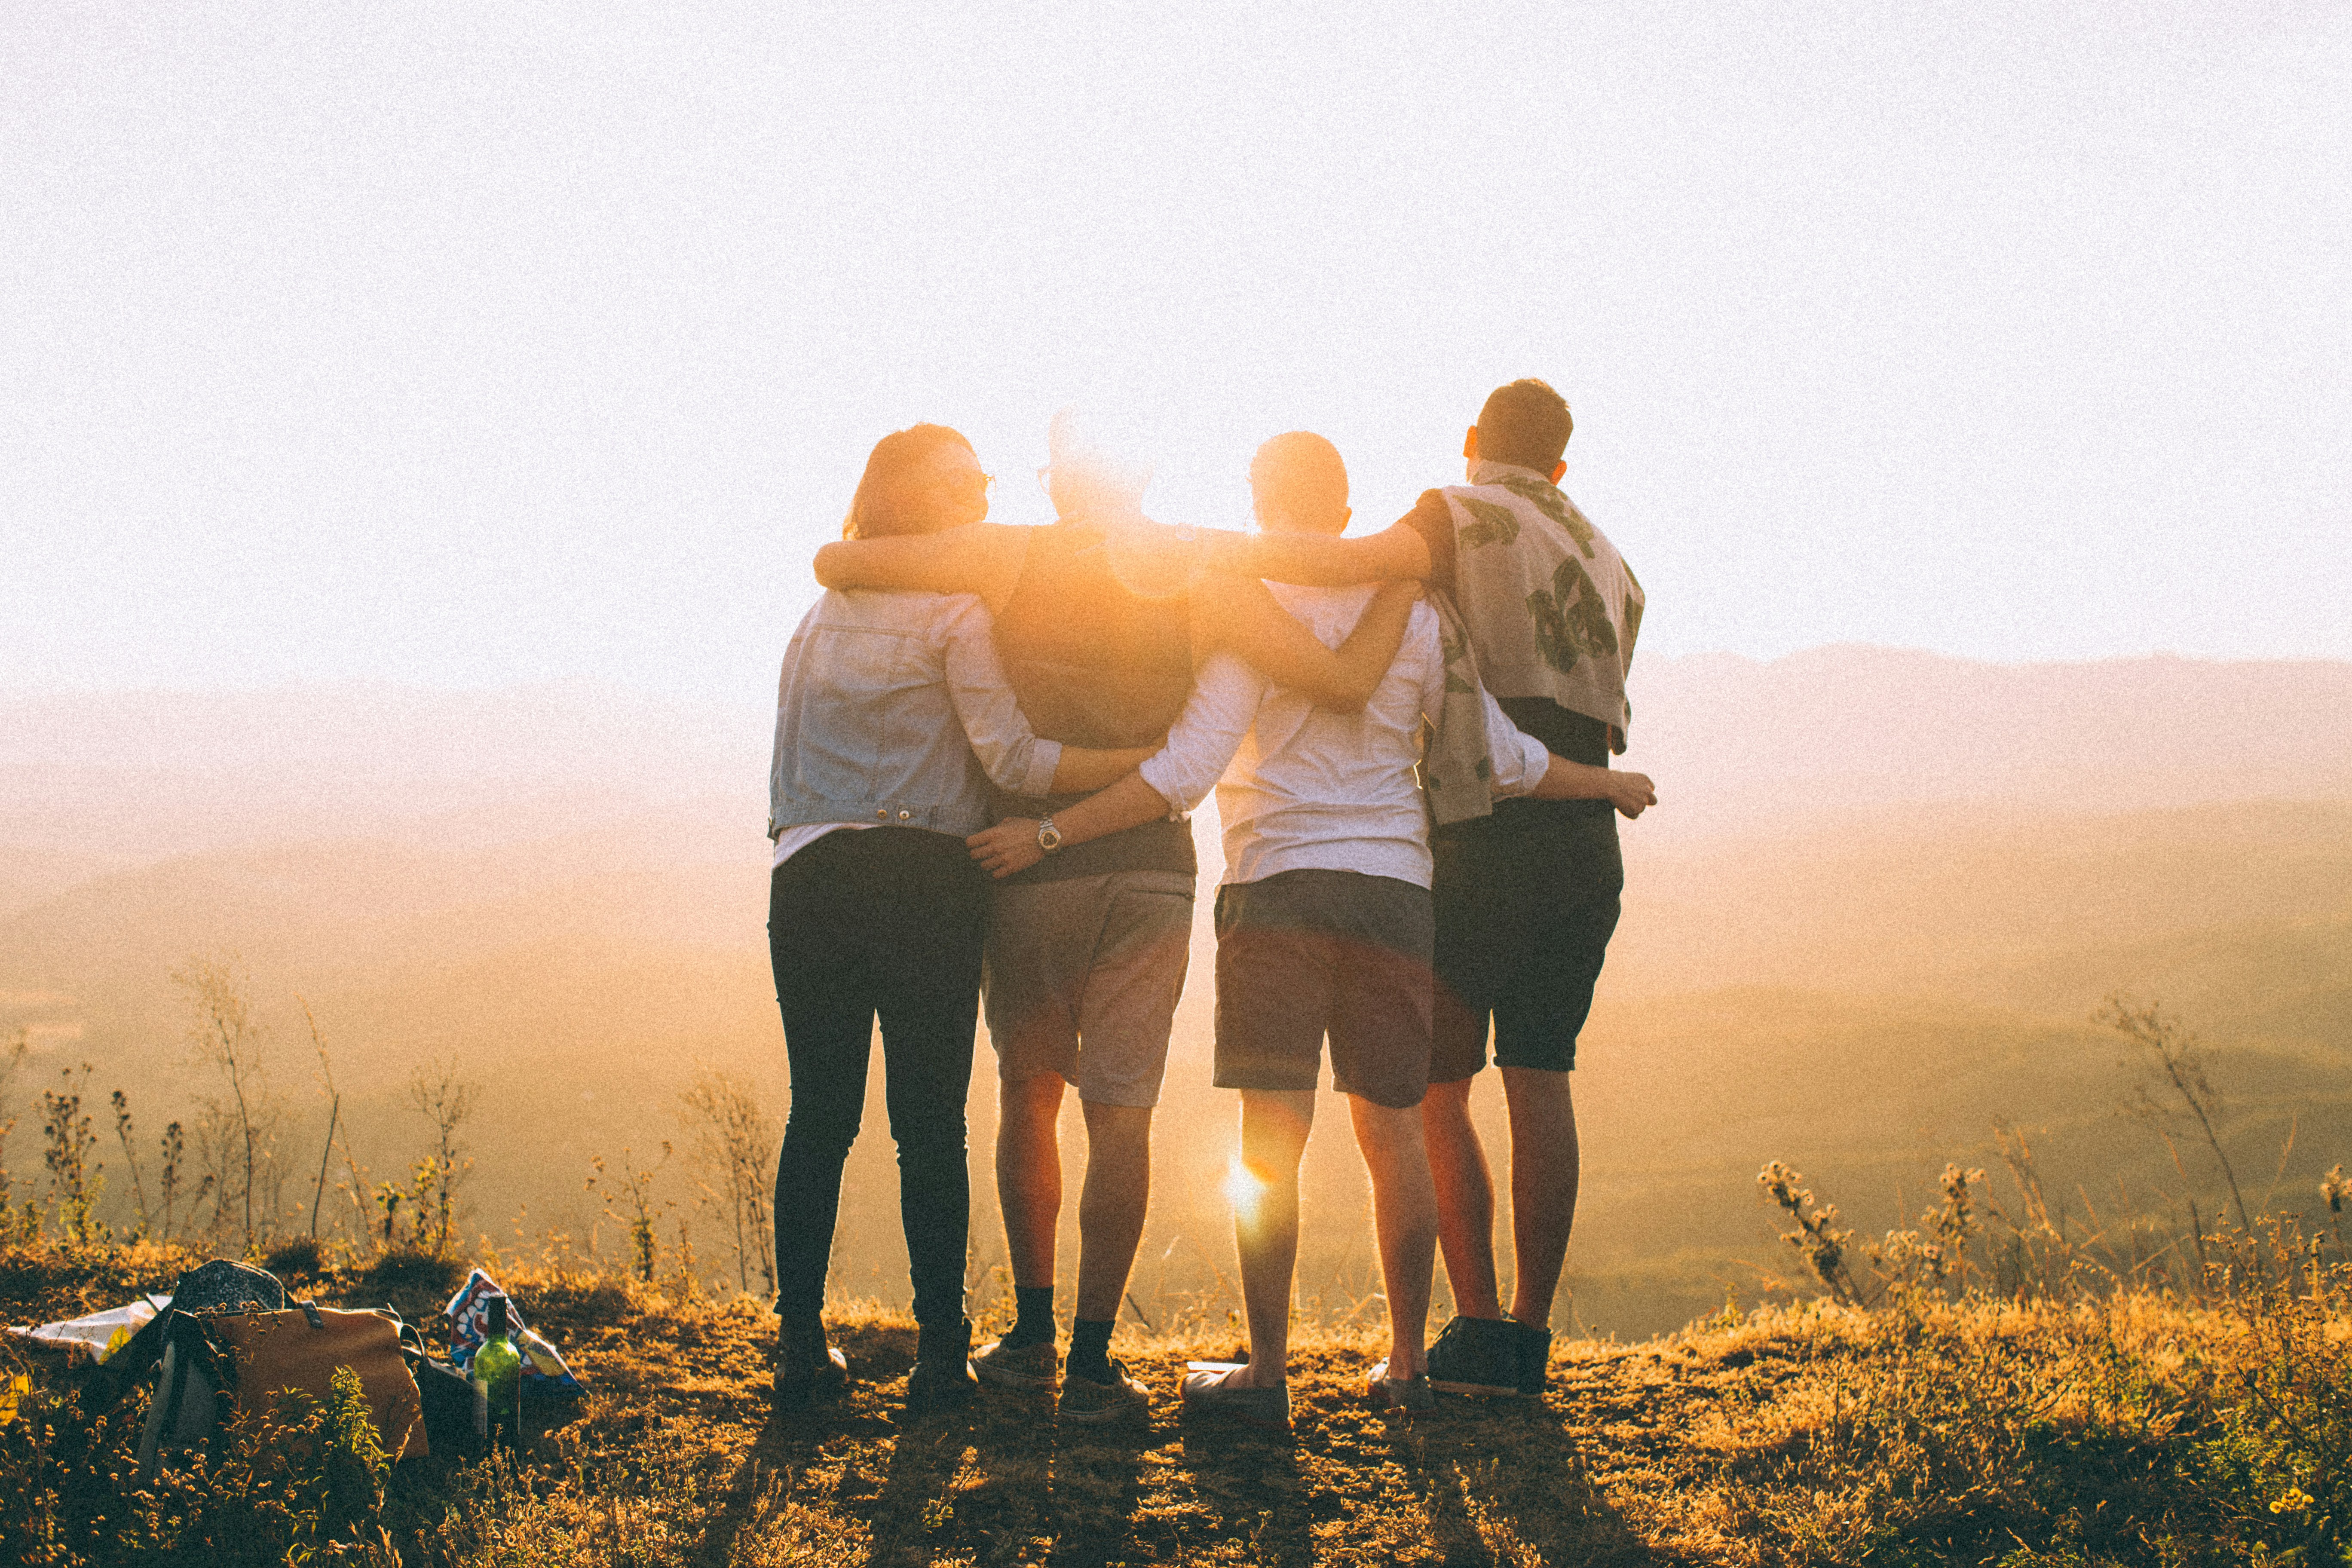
point(471, 344)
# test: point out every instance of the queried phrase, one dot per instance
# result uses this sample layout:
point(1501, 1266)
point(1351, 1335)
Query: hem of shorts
point(1085, 1099)
point(1222, 1080)
point(1337, 1087)
point(1384, 1104)
point(1537, 1066)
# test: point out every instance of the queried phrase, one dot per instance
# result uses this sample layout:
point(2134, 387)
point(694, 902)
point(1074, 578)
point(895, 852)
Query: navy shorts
point(1526, 905)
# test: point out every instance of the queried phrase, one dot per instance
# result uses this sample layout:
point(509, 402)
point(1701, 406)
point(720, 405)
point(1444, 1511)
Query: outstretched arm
point(1012, 845)
point(1632, 794)
point(1083, 768)
point(982, 558)
point(1522, 766)
point(1395, 554)
point(1240, 616)
point(1201, 743)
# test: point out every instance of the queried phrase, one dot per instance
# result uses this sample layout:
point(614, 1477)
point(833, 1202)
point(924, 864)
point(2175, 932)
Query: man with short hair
point(1098, 619)
point(1527, 891)
point(1324, 924)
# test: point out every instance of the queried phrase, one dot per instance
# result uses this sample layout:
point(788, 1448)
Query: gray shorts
point(1081, 979)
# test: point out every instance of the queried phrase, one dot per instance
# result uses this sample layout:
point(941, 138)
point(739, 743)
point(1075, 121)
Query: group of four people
point(987, 742)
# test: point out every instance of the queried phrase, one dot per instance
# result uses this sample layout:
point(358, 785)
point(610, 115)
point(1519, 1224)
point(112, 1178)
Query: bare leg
point(1545, 1168)
point(1029, 1173)
point(1265, 1231)
point(1112, 1205)
point(1466, 1199)
point(1405, 1208)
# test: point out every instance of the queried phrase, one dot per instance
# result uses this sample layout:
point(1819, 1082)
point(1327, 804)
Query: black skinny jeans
point(882, 920)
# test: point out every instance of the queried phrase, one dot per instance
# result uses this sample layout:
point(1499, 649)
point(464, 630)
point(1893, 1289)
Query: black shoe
point(1476, 1355)
point(942, 1377)
point(1535, 1357)
point(808, 1369)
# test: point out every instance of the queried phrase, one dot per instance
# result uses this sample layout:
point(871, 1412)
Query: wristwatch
point(1049, 838)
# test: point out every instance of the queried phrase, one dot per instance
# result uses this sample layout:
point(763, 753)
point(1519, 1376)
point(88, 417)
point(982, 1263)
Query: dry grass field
point(2136, 1430)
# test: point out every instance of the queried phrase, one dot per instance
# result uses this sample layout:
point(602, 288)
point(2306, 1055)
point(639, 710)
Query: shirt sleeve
point(1202, 740)
point(1008, 749)
point(1432, 519)
point(1519, 759)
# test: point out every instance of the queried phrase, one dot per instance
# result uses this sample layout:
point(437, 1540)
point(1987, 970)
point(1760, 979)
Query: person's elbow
point(829, 565)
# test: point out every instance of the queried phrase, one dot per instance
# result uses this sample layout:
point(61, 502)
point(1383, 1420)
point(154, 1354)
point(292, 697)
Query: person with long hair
point(893, 716)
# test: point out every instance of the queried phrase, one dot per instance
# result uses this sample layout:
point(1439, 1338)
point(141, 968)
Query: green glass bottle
point(497, 1377)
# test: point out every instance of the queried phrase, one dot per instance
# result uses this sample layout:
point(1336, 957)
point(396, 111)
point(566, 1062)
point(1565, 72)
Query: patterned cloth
point(544, 1375)
point(1543, 606)
point(1551, 608)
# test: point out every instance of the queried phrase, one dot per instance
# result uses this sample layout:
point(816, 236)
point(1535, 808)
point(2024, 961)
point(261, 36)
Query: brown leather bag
point(299, 1350)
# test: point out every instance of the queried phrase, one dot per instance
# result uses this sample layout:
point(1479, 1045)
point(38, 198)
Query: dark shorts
point(1524, 911)
point(1312, 952)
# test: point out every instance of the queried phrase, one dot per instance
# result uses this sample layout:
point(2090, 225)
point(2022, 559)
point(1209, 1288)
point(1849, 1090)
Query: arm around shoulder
point(1238, 615)
point(982, 558)
point(1396, 553)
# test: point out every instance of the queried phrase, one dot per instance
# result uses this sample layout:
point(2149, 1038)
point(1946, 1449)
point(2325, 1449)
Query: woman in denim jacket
point(892, 717)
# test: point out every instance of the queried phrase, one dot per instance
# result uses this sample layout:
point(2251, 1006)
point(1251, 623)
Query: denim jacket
point(894, 710)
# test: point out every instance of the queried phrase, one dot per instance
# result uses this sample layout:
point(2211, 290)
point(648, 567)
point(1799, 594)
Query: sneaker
point(1018, 1366)
point(1476, 1355)
point(1093, 1403)
point(1211, 1392)
point(942, 1377)
point(1535, 1358)
point(1390, 1394)
point(808, 1369)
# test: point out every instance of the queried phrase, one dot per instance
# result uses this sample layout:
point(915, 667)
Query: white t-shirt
point(792, 840)
point(1303, 787)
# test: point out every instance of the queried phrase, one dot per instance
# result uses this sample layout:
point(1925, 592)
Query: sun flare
point(1243, 1188)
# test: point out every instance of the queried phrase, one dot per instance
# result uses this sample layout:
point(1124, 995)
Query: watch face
point(1049, 838)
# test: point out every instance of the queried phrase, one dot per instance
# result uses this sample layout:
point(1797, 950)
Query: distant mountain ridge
point(1736, 743)
point(1834, 728)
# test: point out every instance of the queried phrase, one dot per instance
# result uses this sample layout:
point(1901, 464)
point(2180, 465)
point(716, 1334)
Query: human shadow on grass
point(993, 1475)
point(918, 1512)
point(867, 1413)
point(1510, 1464)
point(1249, 1484)
point(1096, 1484)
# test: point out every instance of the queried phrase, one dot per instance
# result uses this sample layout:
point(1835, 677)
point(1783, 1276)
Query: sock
point(1034, 1326)
point(1089, 1349)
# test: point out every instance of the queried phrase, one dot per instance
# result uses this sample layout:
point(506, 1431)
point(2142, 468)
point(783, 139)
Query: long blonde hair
point(878, 510)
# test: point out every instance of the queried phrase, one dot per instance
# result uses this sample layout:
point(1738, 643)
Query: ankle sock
point(1035, 1325)
point(1090, 1349)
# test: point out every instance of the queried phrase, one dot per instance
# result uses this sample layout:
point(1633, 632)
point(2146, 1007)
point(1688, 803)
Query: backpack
point(218, 1286)
point(230, 1338)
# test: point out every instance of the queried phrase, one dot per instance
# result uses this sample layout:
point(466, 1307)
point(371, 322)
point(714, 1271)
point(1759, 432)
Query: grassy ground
point(2131, 1432)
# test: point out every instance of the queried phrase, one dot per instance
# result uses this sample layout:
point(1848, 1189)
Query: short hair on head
point(878, 510)
point(1301, 474)
point(1525, 424)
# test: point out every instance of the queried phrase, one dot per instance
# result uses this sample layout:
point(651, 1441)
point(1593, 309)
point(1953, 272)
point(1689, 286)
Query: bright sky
point(465, 345)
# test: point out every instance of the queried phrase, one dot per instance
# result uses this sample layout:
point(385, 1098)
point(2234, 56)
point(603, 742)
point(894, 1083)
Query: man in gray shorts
point(1324, 925)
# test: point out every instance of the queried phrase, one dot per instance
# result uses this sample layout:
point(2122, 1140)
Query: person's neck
point(1492, 471)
